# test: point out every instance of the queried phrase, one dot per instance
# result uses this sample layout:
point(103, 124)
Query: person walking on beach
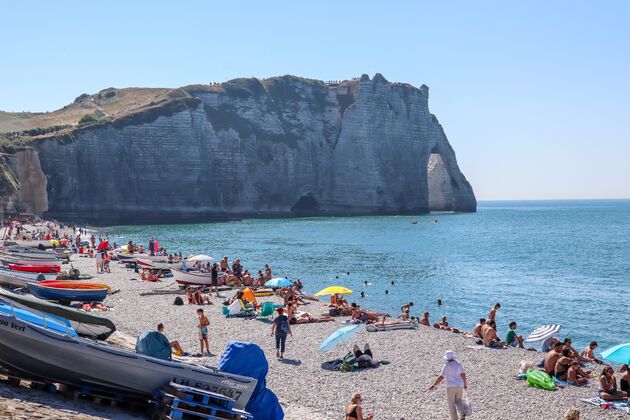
point(203, 331)
point(281, 328)
point(215, 279)
point(456, 382)
point(354, 410)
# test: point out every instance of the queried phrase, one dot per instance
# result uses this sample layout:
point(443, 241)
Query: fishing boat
point(12, 259)
point(41, 349)
point(35, 268)
point(63, 294)
point(29, 244)
point(155, 265)
point(16, 279)
point(192, 278)
point(84, 323)
point(70, 284)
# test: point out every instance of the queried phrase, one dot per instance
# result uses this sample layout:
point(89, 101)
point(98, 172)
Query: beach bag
point(464, 407)
point(178, 301)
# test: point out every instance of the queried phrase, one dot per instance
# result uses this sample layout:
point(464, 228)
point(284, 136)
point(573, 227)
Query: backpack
point(178, 301)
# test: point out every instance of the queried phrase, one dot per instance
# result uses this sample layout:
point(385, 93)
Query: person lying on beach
point(196, 297)
point(354, 410)
point(478, 328)
point(512, 339)
point(552, 357)
point(608, 386)
point(364, 358)
point(624, 381)
point(306, 318)
point(425, 320)
point(490, 338)
point(233, 280)
point(588, 354)
point(573, 375)
point(443, 325)
point(174, 344)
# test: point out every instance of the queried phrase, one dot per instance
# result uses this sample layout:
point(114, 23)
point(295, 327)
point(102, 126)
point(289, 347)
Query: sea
point(546, 262)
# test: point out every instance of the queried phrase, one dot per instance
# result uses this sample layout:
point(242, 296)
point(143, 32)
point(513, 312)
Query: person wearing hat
point(456, 383)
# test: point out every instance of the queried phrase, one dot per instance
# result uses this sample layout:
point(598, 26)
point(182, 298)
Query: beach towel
point(606, 405)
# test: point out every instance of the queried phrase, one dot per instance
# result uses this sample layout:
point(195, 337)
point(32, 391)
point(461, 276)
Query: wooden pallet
point(104, 397)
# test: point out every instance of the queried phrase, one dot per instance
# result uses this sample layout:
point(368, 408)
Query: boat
point(16, 279)
point(62, 294)
point(28, 244)
point(192, 278)
point(71, 284)
point(390, 326)
point(36, 349)
point(84, 323)
point(35, 268)
point(155, 265)
point(11, 259)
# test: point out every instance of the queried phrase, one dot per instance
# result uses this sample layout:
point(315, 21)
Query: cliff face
point(280, 146)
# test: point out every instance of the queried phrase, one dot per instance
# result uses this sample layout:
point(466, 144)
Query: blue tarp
point(248, 359)
point(155, 344)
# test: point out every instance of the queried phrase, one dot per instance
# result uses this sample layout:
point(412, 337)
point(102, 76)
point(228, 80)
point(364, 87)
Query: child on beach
point(281, 328)
point(203, 331)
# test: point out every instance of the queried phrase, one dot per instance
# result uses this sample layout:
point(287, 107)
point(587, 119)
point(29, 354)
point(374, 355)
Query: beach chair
point(266, 310)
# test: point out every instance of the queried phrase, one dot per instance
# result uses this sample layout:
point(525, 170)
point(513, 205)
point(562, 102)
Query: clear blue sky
point(534, 96)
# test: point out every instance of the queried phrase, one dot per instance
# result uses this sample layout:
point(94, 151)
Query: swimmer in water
point(386, 291)
point(392, 282)
point(362, 294)
point(439, 302)
point(365, 282)
point(347, 273)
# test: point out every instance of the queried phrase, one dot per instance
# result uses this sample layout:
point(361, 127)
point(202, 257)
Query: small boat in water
point(41, 349)
point(84, 323)
point(64, 294)
point(35, 268)
point(193, 278)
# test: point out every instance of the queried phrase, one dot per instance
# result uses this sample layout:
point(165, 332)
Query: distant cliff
point(247, 147)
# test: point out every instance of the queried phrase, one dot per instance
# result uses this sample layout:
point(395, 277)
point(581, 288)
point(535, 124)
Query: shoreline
point(306, 390)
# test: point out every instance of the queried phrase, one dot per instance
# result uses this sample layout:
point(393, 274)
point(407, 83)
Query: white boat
point(16, 279)
point(193, 278)
point(155, 265)
point(9, 259)
point(32, 348)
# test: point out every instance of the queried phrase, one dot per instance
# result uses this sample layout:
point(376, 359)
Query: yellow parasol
point(334, 290)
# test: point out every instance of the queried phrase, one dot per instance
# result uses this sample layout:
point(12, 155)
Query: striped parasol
point(543, 333)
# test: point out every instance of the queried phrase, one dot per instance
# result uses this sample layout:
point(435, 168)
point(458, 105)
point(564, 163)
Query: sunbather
point(588, 354)
point(563, 364)
point(443, 325)
point(490, 338)
point(608, 386)
point(425, 320)
point(364, 358)
point(354, 410)
point(174, 344)
point(573, 375)
point(512, 339)
point(478, 328)
point(551, 358)
point(624, 381)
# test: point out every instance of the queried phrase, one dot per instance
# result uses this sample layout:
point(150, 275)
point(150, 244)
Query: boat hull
point(85, 324)
point(155, 265)
point(34, 352)
point(35, 268)
point(73, 295)
point(191, 278)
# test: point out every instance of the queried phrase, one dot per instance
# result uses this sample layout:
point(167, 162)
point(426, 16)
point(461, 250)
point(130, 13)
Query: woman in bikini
point(608, 386)
point(354, 410)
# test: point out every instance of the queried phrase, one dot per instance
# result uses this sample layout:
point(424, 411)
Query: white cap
point(449, 355)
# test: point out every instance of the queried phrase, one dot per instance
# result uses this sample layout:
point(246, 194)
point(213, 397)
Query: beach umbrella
point(63, 240)
point(200, 257)
point(279, 282)
point(543, 333)
point(334, 290)
point(341, 335)
point(103, 245)
point(619, 354)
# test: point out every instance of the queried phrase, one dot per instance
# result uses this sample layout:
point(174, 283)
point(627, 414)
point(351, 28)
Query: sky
point(534, 96)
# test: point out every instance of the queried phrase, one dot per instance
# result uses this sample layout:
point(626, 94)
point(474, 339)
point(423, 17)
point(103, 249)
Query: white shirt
point(452, 373)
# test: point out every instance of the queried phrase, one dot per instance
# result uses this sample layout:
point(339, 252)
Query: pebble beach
point(306, 390)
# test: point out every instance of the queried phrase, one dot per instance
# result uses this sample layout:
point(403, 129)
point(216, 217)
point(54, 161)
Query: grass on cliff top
point(109, 102)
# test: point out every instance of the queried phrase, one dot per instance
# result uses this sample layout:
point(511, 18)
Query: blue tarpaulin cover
point(248, 359)
point(155, 344)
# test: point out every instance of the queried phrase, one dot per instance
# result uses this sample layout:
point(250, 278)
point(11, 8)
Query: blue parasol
point(279, 282)
point(619, 354)
point(340, 336)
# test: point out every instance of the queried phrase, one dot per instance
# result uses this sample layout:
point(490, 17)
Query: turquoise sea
point(564, 262)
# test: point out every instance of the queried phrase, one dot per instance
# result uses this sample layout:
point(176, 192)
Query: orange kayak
point(61, 284)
